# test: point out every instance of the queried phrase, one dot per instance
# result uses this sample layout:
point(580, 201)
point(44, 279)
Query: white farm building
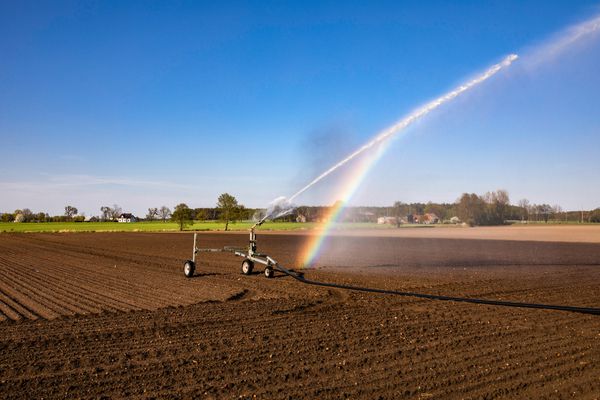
point(127, 217)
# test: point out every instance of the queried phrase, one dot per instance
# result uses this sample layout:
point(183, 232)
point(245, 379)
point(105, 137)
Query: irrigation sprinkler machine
point(281, 206)
point(250, 255)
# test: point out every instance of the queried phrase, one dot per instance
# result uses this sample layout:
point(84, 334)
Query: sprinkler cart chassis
point(250, 255)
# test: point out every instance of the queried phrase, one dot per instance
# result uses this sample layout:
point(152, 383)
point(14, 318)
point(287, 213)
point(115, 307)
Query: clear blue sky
point(151, 103)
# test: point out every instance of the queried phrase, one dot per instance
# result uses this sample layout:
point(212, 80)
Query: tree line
point(26, 215)
point(491, 208)
point(227, 210)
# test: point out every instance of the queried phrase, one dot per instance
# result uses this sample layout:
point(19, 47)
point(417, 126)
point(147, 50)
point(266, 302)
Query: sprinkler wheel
point(188, 268)
point(269, 272)
point(247, 267)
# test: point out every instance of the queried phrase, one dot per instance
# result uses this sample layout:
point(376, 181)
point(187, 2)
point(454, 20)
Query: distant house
point(126, 217)
point(300, 218)
point(429, 218)
point(387, 220)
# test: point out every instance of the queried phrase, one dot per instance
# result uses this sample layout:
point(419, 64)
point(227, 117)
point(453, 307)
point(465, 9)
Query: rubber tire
point(247, 267)
point(269, 273)
point(189, 267)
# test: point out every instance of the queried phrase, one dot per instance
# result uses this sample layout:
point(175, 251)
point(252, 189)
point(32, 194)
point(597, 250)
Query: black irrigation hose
point(582, 310)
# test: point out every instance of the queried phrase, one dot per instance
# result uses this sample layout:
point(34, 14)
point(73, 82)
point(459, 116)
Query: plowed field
point(112, 315)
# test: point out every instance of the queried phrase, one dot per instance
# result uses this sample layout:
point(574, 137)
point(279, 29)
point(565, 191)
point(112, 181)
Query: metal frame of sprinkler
point(251, 256)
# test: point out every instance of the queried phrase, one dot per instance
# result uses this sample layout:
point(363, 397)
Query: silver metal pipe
point(195, 248)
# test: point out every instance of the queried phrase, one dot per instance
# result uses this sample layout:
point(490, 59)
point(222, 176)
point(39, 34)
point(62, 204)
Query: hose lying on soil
point(582, 310)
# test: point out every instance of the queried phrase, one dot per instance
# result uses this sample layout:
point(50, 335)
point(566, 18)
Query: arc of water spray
point(381, 141)
point(408, 120)
point(283, 206)
point(570, 36)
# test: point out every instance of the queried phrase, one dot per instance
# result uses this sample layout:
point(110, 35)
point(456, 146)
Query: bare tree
point(524, 206)
point(502, 197)
point(471, 209)
point(544, 211)
point(152, 213)
point(106, 213)
point(501, 205)
point(557, 210)
point(164, 213)
point(400, 211)
point(70, 212)
point(490, 209)
point(532, 212)
point(115, 212)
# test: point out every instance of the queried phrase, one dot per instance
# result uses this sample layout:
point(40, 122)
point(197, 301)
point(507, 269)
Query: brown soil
point(93, 315)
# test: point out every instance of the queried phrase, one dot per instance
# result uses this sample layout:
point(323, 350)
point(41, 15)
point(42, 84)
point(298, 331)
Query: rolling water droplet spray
point(419, 113)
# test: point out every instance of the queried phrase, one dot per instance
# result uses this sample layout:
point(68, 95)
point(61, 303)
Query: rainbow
point(312, 247)
point(373, 151)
